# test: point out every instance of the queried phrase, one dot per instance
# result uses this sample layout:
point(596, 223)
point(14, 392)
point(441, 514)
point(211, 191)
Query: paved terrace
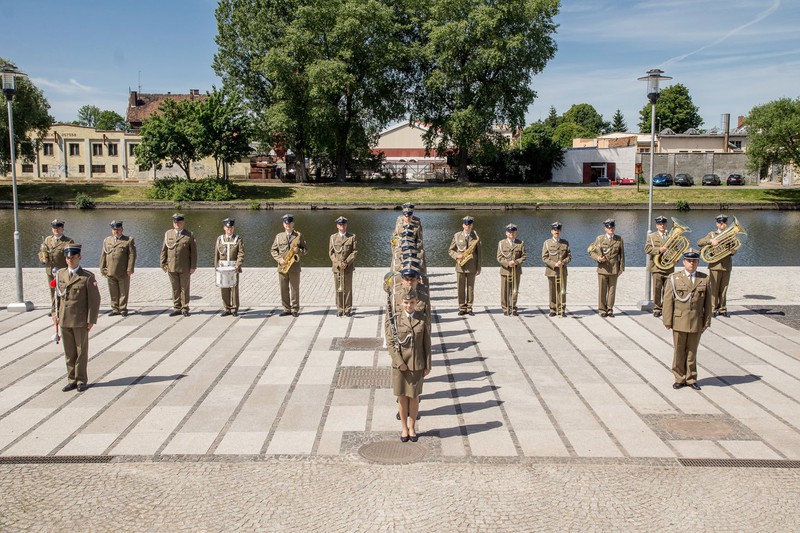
point(216, 422)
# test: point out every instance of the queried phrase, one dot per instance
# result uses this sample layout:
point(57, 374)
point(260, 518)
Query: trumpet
point(561, 291)
point(675, 245)
point(727, 243)
point(340, 287)
point(469, 252)
point(290, 257)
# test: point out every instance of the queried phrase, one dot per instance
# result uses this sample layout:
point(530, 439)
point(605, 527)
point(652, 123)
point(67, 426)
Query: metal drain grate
point(392, 452)
point(357, 343)
point(54, 459)
point(364, 377)
point(740, 463)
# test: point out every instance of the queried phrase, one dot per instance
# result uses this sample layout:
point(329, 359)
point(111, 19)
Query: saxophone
point(290, 257)
point(468, 253)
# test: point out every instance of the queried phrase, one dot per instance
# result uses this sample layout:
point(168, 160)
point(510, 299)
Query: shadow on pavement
point(728, 381)
point(141, 380)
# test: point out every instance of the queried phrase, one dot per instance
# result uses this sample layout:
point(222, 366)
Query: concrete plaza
point(529, 422)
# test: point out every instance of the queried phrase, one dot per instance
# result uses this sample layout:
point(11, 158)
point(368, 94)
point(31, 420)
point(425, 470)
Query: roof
point(142, 105)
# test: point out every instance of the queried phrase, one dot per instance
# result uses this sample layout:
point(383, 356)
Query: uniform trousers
point(684, 359)
point(553, 293)
point(230, 296)
point(344, 299)
point(180, 290)
point(659, 278)
point(606, 292)
point(465, 284)
point(509, 286)
point(290, 290)
point(76, 351)
point(119, 288)
point(719, 289)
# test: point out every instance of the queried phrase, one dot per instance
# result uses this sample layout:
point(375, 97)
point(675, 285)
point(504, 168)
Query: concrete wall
point(698, 165)
point(574, 158)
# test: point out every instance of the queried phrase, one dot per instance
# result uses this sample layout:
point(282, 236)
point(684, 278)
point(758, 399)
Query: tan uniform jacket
point(614, 252)
point(51, 252)
point(79, 298)
point(281, 245)
point(654, 243)
point(459, 245)
point(179, 251)
point(118, 257)
point(415, 221)
point(552, 253)
point(692, 315)
point(507, 251)
point(342, 250)
point(415, 342)
point(236, 247)
point(726, 263)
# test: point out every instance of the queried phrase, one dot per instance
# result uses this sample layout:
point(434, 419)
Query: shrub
point(182, 190)
point(682, 205)
point(84, 201)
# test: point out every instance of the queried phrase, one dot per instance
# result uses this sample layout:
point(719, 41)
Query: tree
point(31, 121)
point(478, 60)
point(110, 120)
point(552, 120)
point(773, 130)
point(541, 152)
point(168, 136)
point(566, 131)
point(586, 116)
point(618, 122)
point(220, 128)
point(88, 115)
point(675, 109)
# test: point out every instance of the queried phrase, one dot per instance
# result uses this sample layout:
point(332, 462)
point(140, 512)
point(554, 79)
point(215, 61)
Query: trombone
point(340, 288)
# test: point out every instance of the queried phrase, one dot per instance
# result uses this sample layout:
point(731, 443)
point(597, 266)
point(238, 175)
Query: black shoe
point(235, 313)
point(714, 314)
point(285, 313)
point(185, 312)
point(82, 387)
point(611, 314)
point(404, 439)
point(470, 313)
point(695, 386)
point(123, 313)
point(225, 313)
point(294, 314)
point(603, 314)
point(656, 314)
point(462, 313)
point(725, 314)
point(339, 314)
point(413, 438)
point(677, 386)
point(505, 313)
point(514, 313)
point(552, 313)
point(175, 313)
point(348, 313)
point(70, 386)
point(114, 313)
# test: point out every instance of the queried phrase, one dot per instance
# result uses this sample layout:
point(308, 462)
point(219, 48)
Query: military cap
point(229, 222)
point(177, 217)
point(341, 220)
point(661, 219)
point(116, 224)
point(410, 294)
point(609, 223)
point(72, 249)
point(511, 227)
point(57, 223)
point(721, 218)
point(555, 225)
point(409, 272)
point(408, 205)
point(691, 254)
point(287, 218)
point(467, 220)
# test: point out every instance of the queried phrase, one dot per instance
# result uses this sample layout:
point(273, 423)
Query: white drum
point(226, 274)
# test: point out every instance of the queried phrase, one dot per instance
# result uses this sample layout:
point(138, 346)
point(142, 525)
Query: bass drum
point(226, 274)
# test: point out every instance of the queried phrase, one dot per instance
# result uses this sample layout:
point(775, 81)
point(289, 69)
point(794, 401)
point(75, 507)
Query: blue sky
point(731, 54)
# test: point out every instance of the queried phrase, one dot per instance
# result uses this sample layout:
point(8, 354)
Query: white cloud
point(72, 86)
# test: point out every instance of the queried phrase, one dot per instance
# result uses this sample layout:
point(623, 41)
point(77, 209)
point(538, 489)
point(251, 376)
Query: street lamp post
point(653, 77)
point(9, 74)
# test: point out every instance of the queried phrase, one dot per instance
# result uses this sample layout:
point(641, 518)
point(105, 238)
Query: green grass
point(442, 194)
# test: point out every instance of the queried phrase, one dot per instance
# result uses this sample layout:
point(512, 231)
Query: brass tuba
point(675, 245)
point(727, 242)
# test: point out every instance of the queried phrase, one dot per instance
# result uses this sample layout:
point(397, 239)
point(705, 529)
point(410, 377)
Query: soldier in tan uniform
point(229, 251)
point(287, 247)
point(51, 255)
point(720, 271)
point(654, 247)
point(117, 260)
point(342, 249)
point(179, 261)
point(608, 250)
point(687, 312)
point(510, 254)
point(466, 242)
point(556, 255)
point(408, 218)
point(78, 307)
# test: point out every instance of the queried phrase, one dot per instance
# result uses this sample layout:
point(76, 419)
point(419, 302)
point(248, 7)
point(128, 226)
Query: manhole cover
point(392, 452)
point(364, 377)
point(356, 343)
point(698, 427)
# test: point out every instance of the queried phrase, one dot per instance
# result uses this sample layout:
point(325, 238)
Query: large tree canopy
point(773, 130)
point(220, 128)
point(587, 117)
point(168, 137)
point(675, 109)
point(31, 121)
point(479, 58)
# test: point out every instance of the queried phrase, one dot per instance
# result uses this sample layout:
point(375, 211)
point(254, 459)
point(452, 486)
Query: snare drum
point(226, 274)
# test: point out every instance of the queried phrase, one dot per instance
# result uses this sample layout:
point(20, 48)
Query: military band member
point(410, 350)
point(229, 250)
point(510, 254)
point(687, 312)
point(286, 249)
point(466, 243)
point(78, 307)
point(51, 255)
point(179, 261)
point(654, 247)
point(556, 255)
point(117, 260)
point(720, 271)
point(609, 252)
point(342, 249)
point(408, 218)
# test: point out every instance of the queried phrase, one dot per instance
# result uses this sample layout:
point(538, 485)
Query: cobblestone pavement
point(527, 422)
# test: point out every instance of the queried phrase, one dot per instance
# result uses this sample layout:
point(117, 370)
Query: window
point(47, 149)
point(81, 169)
point(737, 144)
point(44, 169)
point(112, 148)
point(97, 149)
point(98, 169)
point(115, 169)
point(74, 149)
point(132, 149)
point(27, 167)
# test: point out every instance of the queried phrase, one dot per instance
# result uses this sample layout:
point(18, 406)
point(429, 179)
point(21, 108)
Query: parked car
point(626, 181)
point(662, 180)
point(711, 179)
point(735, 179)
point(601, 181)
point(684, 179)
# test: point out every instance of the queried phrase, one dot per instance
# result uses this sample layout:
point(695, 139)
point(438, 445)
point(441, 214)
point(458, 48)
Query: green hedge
point(182, 190)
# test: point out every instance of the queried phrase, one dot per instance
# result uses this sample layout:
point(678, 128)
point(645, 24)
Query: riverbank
point(450, 196)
